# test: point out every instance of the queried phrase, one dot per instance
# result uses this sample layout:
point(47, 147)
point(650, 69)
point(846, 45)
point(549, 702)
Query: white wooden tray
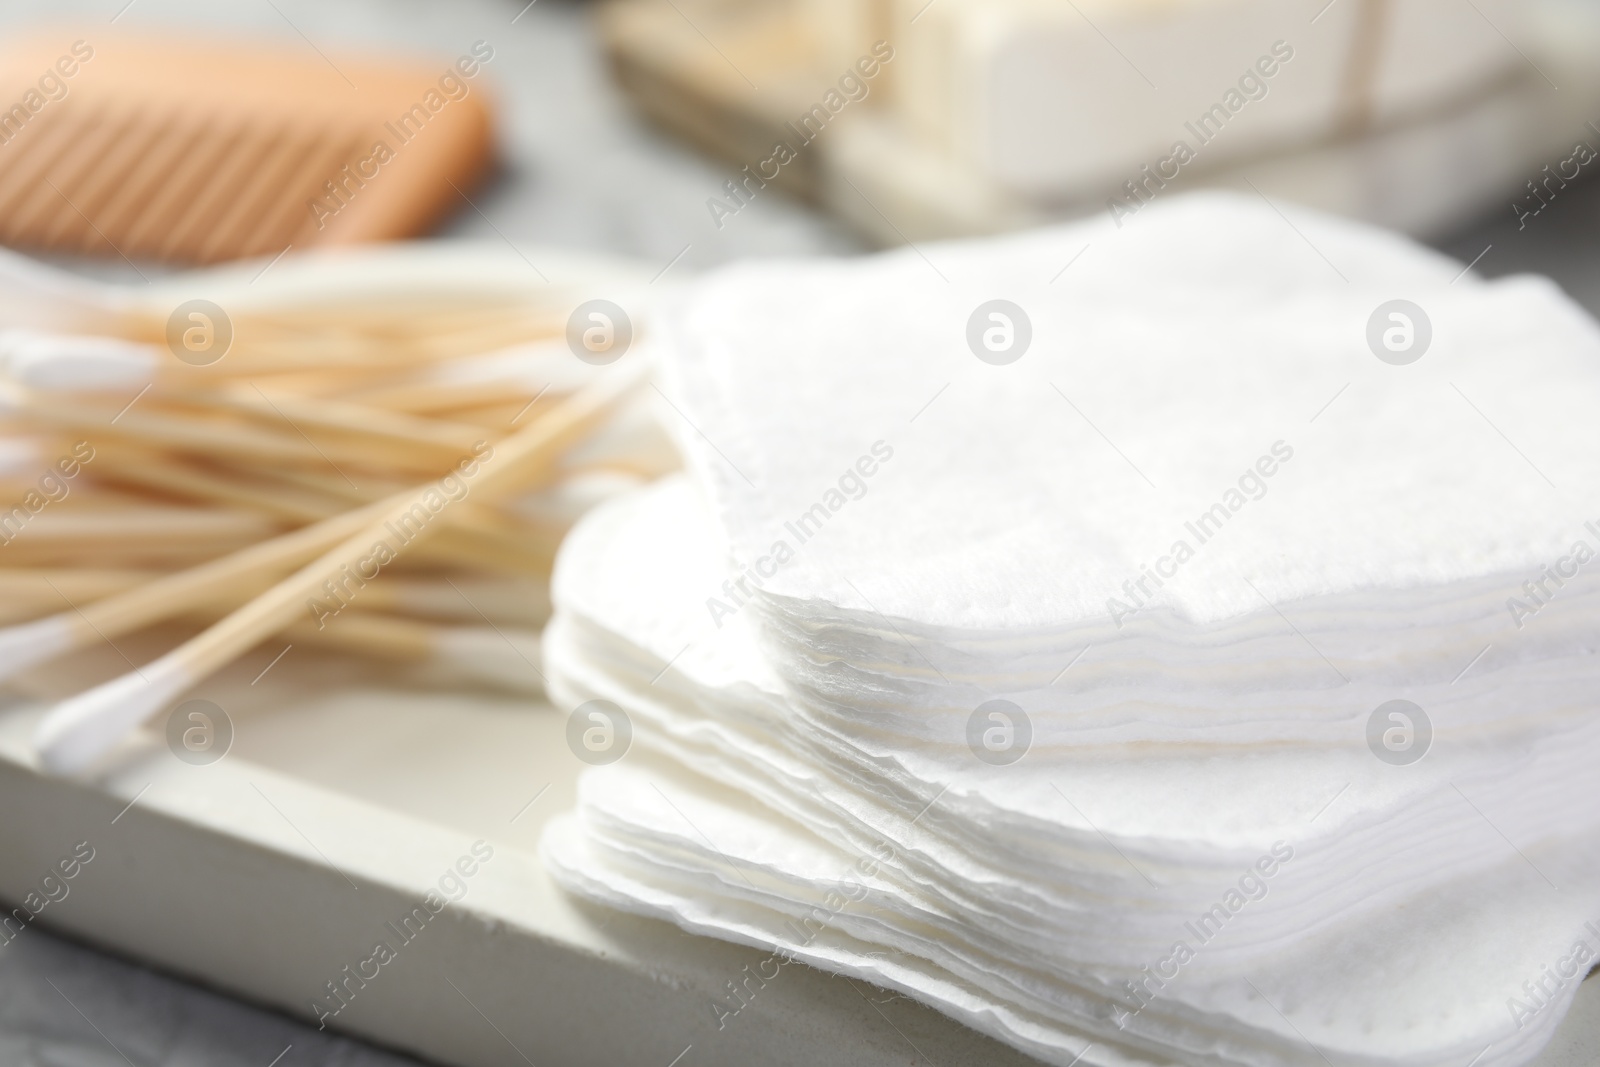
point(336, 811)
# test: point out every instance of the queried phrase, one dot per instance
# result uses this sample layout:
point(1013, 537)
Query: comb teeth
point(127, 163)
point(177, 187)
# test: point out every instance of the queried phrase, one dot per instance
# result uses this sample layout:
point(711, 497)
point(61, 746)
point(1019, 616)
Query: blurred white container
point(1042, 96)
point(1410, 113)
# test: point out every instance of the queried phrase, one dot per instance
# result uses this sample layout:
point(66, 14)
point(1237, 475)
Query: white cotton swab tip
point(30, 643)
point(19, 455)
point(81, 729)
point(75, 362)
point(13, 398)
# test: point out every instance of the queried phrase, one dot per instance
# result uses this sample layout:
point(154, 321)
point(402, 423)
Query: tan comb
point(204, 150)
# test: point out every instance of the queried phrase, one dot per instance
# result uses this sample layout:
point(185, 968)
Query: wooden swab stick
point(81, 729)
point(399, 319)
point(426, 398)
point(497, 601)
point(172, 475)
point(147, 555)
point(255, 350)
point(477, 533)
point(156, 424)
point(26, 594)
point(26, 645)
point(485, 520)
point(504, 657)
point(79, 528)
point(502, 653)
point(173, 594)
point(205, 436)
point(478, 537)
point(342, 416)
point(78, 582)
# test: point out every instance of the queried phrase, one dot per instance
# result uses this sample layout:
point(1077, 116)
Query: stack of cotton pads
point(1147, 645)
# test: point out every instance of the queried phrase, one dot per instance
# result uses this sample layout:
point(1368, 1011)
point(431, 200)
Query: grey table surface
point(578, 169)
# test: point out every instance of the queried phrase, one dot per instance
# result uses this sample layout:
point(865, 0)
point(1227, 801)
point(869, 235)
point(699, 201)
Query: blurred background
point(693, 132)
point(139, 138)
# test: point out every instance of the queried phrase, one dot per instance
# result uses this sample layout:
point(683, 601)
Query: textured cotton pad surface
point(1028, 632)
point(739, 769)
point(1199, 476)
point(1164, 363)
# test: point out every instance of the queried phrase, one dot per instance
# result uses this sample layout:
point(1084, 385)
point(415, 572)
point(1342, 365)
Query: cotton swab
point(73, 528)
point(32, 643)
point(499, 652)
point(28, 644)
point(26, 594)
point(502, 657)
point(501, 601)
point(343, 417)
point(297, 425)
point(77, 362)
point(476, 536)
point(164, 426)
point(165, 473)
point(81, 729)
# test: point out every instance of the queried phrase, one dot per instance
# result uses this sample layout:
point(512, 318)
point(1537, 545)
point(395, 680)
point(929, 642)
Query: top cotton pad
point(1163, 364)
point(1207, 462)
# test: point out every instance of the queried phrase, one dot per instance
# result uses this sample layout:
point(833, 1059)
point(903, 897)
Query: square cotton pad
point(1068, 577)
point(727, 818)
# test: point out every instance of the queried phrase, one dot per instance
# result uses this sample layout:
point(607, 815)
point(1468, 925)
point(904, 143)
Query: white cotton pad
point(923, 530)
point(1440, 980)
point(1195, 339)
point(1192, 834)
point(627, 630)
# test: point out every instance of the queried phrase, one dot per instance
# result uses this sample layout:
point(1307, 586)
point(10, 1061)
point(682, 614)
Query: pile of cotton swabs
point(382, 467)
